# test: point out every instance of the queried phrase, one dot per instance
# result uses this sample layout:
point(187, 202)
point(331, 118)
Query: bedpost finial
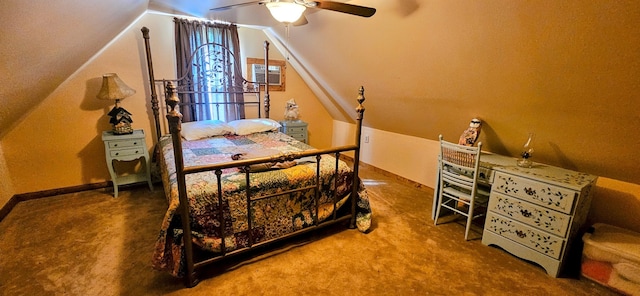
point(360, 108)
point(361, 95)
point(173, 116)
point(171, 97)
point(267, 104)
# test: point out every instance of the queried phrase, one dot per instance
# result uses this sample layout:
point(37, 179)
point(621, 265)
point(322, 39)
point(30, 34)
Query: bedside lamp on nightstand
point(114, 89)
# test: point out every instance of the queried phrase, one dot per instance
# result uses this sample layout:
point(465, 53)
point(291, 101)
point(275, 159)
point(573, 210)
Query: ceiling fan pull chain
point(286, 30)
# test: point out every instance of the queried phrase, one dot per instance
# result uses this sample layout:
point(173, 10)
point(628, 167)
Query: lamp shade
point(113, 88)
point(285, 12)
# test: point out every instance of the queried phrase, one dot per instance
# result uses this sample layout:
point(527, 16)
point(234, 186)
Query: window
point(211, 84)
point(277, 73)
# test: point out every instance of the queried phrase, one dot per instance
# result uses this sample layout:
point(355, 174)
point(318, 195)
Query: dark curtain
point(212, 76)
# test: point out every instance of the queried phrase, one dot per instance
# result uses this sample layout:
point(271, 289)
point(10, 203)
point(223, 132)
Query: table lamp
point(114, 89)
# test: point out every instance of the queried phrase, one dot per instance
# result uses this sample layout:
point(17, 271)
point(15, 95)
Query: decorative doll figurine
point(471, 134)
point(291, 110)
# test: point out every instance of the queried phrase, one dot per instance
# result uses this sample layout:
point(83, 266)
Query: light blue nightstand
point(296, 129)
point(127, 148)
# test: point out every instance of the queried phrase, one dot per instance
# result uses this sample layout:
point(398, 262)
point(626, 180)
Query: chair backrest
point(459, 164)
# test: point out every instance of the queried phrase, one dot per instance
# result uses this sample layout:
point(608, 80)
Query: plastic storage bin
point(611, 257)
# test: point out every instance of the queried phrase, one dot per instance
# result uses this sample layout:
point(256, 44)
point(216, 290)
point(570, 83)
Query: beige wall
point(520, 66)
point(6, 187)
point(614, 202)
point(566, 70)
point(311, 110)
point(42, 45)
point(58, 144)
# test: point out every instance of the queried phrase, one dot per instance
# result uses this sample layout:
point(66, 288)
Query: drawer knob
point(525, 213)
point(135, 143)
point(115, 145)
point(530, 191)
point(117, 153)
point(521, 234)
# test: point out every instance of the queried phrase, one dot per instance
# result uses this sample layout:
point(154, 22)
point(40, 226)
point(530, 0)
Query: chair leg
point(438, 205)
point(469, 221)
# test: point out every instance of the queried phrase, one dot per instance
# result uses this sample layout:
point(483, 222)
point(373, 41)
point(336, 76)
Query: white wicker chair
point(458, 190)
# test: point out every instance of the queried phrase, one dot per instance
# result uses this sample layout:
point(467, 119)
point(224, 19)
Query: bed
point(205, 167)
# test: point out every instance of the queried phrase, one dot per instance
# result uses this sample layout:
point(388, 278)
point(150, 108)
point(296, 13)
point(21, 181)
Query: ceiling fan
point(291, 11)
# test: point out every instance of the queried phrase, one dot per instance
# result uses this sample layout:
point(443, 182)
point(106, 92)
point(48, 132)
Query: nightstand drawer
point(298, 136)
point(530, 214)
point(532, 238)
point(127, 152)
point(126, 144)
point(296, 130)
point(544, 194)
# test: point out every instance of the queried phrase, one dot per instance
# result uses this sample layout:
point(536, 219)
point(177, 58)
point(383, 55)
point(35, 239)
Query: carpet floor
point(89, 243)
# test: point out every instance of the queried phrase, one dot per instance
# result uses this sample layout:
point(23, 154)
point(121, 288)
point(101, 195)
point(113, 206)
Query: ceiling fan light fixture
point(285, 12)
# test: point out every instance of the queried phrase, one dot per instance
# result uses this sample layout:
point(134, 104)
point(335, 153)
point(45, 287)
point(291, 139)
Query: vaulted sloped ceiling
point(43, 43)
point(566, 70)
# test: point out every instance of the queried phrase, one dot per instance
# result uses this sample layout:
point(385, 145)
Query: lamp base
point(121, 121)
point(122, 129)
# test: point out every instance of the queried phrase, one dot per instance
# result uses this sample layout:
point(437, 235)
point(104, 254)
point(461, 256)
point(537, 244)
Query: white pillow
point(195, 130)
point(243, 127)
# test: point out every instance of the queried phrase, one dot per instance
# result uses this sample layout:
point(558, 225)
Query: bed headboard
point(246, 93)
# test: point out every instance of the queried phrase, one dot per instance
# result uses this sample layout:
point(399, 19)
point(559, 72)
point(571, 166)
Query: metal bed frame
point(174, 119)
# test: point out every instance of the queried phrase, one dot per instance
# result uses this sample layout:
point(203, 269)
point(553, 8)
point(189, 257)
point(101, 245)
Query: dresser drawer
point(547, 195)
point(127, 152)
point(530, 214)
point(485, 175)
point(530, 237)
point(125, 144)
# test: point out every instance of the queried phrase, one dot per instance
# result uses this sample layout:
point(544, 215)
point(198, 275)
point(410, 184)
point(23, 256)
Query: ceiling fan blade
point(346, 8)
point(237, 5)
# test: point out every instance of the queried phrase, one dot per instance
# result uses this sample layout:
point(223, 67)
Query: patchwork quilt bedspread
point(271, 217)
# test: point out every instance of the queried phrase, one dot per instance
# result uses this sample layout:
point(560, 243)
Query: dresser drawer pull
point(115, 145)
point(521, 234)
point(530, 191)
point(525, 213)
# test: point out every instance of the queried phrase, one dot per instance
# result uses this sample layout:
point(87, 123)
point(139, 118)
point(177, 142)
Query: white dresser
point(537, 213)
